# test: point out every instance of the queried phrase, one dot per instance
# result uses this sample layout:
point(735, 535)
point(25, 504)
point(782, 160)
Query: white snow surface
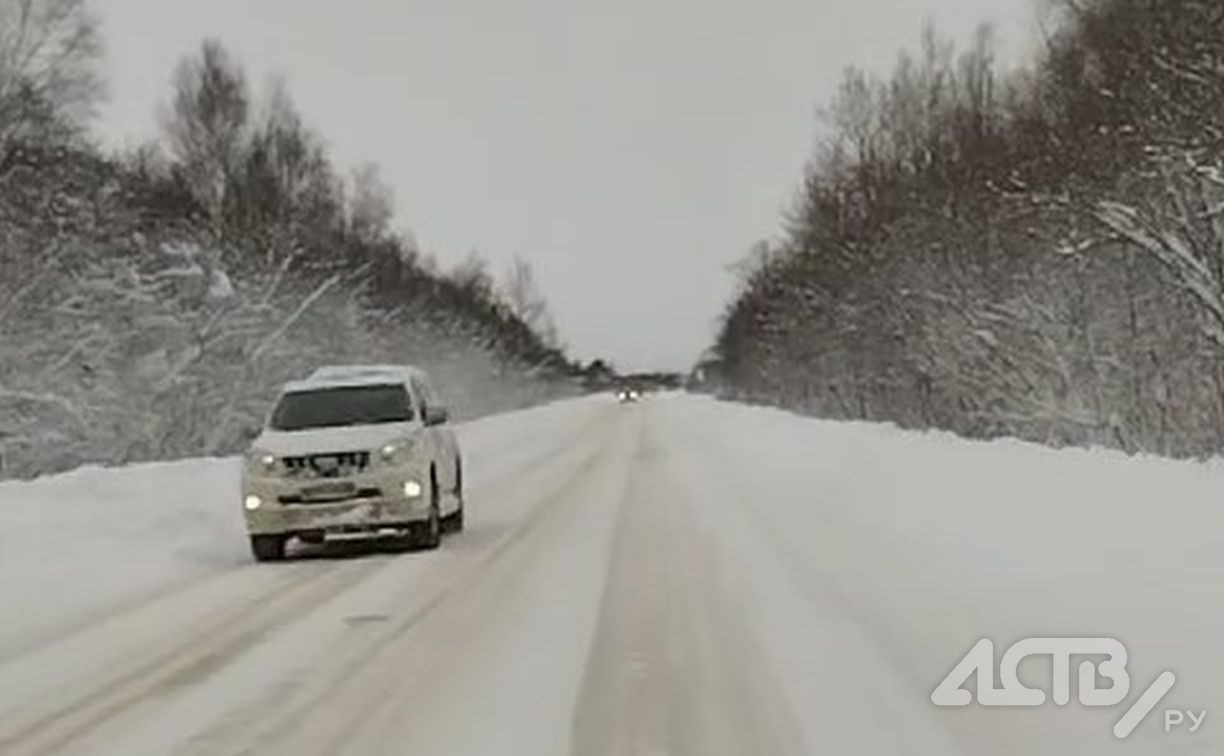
point(681, 576)
point(76, 545)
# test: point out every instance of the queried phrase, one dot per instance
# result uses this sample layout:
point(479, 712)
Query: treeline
point(151, 303)
point(1038, 254)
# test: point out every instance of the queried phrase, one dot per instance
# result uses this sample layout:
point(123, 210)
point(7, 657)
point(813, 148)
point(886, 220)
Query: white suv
point(353, 451)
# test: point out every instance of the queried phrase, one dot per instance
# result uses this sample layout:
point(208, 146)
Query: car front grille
point(333, 465)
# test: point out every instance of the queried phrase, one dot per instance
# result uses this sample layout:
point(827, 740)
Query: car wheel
point(268, 548)
point(429, 533)
point(454, 521)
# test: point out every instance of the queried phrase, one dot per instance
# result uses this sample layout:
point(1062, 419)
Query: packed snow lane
point(678, 576)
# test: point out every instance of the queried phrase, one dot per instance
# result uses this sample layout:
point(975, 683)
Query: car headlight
point(262, 460)
point(396, 451)
point(252, 503)
point(413, 489)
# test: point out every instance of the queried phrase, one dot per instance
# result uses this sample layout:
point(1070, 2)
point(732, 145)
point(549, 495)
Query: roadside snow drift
point(80, 543)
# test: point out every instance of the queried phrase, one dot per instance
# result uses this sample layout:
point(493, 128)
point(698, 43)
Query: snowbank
point(77, 544)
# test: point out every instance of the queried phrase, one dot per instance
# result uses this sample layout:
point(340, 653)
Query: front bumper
point(376, 501)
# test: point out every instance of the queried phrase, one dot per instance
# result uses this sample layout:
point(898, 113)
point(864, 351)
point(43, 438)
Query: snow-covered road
point(677, 577)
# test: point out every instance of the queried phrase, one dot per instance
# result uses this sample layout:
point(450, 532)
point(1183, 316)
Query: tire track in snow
point(51, 722)
point(888, 683)
point(673, 669)
point(51, 725)
point(357, 685)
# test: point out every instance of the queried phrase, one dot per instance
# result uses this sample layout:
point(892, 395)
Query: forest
point(152, 302)
point(1035, 253)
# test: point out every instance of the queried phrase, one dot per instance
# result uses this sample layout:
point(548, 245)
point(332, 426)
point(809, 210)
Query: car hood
point(324, 440)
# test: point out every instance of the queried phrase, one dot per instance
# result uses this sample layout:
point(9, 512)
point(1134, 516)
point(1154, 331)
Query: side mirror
point(436, 416)
point(250, 432)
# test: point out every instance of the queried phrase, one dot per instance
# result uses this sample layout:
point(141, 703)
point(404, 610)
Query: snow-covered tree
point(49, 56)
point(527, 302)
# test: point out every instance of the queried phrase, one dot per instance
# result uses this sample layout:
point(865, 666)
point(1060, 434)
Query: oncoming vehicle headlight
point(252, 503)
point(413, 489)
point(388, 452)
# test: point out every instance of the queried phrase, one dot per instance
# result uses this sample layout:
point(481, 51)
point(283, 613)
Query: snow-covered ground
point(681, 576)
point(883, 556)
point(77, 545)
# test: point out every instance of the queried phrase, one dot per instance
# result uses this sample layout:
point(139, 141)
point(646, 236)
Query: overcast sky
point(630, 149)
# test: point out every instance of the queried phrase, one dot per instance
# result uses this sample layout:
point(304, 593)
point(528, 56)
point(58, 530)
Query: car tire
point(454, 521)
point(428, 534)
point(268, 548)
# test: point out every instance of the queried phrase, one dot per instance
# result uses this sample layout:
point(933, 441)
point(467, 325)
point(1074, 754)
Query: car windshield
point(342, 405)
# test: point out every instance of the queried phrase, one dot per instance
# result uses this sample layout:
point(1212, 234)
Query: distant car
point(353, 452)
point(628, 394)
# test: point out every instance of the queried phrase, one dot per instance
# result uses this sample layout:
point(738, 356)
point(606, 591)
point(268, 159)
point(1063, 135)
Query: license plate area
point(338, 491)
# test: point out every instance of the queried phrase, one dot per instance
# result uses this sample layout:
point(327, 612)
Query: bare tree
point(372, 205)
point(206, 122)
point(472, 275)
point(49, 52)
point(522, 294)
point(285, 196)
